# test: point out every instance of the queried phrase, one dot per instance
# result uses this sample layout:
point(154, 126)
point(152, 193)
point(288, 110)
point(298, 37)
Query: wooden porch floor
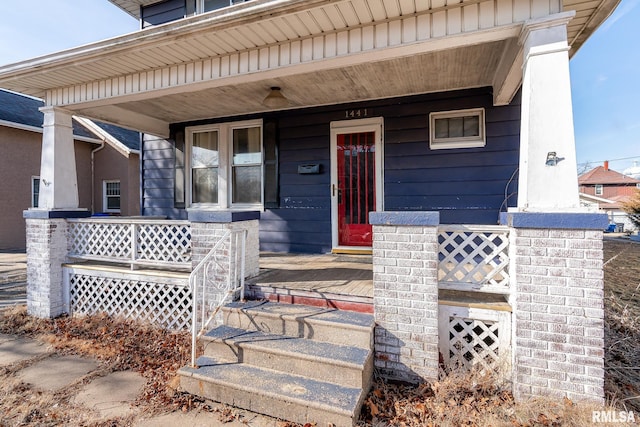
point(340, 281)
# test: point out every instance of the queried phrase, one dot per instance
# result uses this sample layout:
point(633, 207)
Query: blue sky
point(605, 88)
point(606, 92)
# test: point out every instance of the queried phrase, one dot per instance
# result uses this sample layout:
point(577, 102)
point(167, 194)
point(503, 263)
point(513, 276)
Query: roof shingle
point(600, 175)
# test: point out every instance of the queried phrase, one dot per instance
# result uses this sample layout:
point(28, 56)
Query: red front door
point(356, 187)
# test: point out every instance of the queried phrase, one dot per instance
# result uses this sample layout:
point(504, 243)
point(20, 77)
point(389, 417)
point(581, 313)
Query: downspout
point(93, 175)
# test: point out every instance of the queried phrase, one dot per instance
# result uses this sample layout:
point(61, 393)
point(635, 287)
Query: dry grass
point(467, 399)
point(622, 323)
point(460, 399)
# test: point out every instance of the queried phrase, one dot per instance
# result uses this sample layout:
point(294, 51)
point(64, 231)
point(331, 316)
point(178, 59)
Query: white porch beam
point(58, 180)
point(547, 119)
point(129, 119)
point(508, 77)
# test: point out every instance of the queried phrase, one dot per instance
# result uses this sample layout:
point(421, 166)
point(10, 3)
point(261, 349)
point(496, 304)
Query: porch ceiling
point(408, 46)
point(471, 66)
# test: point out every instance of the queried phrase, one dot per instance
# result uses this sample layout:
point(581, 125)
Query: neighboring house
point(105, 155)
point(608, 190)
point(435, 136)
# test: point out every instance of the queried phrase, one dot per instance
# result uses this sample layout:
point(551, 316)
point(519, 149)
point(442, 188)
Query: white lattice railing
point(215, 280)
point(474, 257)
point(137, 242)
point(471, 337)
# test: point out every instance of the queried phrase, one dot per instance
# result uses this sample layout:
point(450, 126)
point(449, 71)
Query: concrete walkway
point(13, 279)
point(107, 396)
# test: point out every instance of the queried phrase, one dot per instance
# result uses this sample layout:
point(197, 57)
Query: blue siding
point(158, 179)
point(464, 185)
point(303, 221)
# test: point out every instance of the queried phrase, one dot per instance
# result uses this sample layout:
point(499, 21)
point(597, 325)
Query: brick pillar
point(405, 292)
point(208, 226)
point(558, 305)
point(46, 252)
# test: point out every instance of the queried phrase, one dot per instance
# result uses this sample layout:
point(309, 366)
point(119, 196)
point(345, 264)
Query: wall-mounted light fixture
point(275, 99)
point(552, 159)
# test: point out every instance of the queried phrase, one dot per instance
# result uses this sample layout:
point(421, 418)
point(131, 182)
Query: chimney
point(606, 165)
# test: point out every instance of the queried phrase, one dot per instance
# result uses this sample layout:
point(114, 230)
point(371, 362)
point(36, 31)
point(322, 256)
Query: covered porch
point(393, 71)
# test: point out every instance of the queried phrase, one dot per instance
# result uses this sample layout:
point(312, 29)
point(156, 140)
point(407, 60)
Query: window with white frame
point(225, 163)
point(457, 129)
point(599, 189)
point(111, 196)
point(208, 5)
point(35, 191)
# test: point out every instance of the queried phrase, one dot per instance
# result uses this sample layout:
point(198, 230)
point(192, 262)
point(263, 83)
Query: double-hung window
point(111, 196)
point(225, 162)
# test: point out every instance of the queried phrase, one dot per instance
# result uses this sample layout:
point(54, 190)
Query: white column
point(547, 120)
point(58, 179)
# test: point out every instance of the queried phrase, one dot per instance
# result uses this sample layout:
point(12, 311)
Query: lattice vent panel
point(474, 257)
point(165, 305)
point(474, 338)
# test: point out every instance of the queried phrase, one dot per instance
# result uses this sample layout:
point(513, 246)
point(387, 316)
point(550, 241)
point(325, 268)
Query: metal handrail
point(235, 275)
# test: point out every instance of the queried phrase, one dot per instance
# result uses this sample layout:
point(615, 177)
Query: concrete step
point(344, 365)
point(291, 397)
point(316, 323)
point(315, 298)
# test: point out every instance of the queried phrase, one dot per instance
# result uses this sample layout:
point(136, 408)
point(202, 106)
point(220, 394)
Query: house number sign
point(354, 114)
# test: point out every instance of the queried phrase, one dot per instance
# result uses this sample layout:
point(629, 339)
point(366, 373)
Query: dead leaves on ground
point(466, 399)
point(120, 344)
point(448, 402)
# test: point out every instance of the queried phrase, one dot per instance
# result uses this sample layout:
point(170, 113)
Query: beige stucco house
point(106, 159)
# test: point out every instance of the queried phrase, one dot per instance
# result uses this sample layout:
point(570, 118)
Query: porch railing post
point(134, 245)
point(194, 319)
point(243, 254)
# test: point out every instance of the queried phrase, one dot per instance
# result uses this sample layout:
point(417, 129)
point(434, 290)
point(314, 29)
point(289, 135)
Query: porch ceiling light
point(275, 99)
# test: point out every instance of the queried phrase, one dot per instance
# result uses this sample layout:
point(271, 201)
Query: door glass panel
point(356, 187)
